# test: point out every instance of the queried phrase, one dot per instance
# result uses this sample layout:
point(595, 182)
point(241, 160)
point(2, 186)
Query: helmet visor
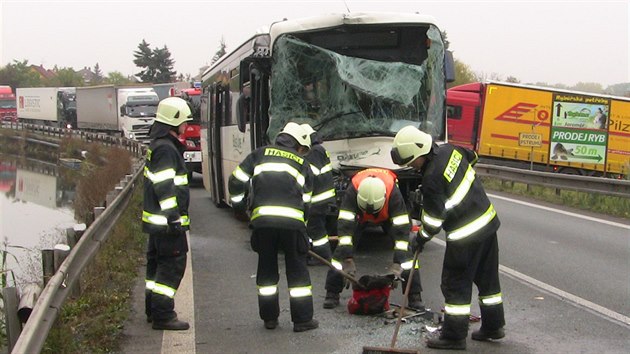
point(399, 160)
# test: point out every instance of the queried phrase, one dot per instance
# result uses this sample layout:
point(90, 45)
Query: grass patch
point(93, 322)
point(610, 205)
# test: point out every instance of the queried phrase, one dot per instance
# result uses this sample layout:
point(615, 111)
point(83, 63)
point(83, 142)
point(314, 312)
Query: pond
point(36, 207)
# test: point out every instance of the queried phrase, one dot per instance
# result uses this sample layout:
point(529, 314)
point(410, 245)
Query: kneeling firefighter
point(373, 198)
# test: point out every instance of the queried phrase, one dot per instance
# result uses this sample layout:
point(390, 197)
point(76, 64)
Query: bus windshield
point(351, 95)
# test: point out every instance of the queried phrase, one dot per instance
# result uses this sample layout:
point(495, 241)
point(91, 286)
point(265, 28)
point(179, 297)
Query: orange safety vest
point(384, 175)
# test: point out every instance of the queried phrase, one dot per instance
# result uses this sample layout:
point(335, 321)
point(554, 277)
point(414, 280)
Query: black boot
point(305, 326)
point(415, 303)
point(332, 300)
point(483, 334)
point(271, 324)
point(445, 343)
point(171, 325)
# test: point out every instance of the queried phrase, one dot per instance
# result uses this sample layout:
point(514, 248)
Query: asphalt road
point(564, 280)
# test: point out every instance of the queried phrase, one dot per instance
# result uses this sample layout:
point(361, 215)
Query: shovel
point(352, 279)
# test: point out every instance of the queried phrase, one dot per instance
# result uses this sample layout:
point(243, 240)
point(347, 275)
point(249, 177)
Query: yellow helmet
point(371, 195)
point(298, 133)
point(409, 144)
point(173, 111)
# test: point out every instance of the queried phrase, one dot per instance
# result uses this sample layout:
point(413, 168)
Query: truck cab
point(137, 112)
point(463, 110)
point(191, 137)
point(8, 107)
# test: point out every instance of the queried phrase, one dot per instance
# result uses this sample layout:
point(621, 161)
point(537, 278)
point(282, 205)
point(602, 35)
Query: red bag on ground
point(372, 298)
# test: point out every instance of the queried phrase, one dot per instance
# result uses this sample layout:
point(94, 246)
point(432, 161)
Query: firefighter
point(165, 215)
point(323, 198)
point(454, 200)
point(275, 183)
point(374, 198)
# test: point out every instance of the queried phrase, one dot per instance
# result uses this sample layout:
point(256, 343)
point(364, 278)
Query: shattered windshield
point(344, 96)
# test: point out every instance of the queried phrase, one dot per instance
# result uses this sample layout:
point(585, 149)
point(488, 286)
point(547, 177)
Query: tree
point(66, 77)
point(463, 74)
point(116, 78)
point(157, 63)
point(19, 74)
point(513, 80)
point(163, 65)
point(220, 52)
point(592, 87)
point(98, 75)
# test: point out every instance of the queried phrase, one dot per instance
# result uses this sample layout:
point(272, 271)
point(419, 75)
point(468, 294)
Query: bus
point(355, 78)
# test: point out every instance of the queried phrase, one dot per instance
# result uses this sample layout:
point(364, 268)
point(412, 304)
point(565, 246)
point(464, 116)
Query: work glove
point(397, 270)
point(349, 267)
point(417, 244)
point(175, 229)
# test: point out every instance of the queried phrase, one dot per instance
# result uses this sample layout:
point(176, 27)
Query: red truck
point(8, 107)
point(191, 137)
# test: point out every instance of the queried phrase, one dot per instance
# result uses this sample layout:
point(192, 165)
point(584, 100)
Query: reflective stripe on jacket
point(166, 193)
point(453, 198)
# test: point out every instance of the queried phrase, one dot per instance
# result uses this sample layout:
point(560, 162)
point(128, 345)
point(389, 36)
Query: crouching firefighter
point(165, 215)
point(275, 182)
point(373, 198)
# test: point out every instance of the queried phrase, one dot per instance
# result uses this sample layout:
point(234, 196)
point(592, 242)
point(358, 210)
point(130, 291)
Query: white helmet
point(409, 144)
point(371, 195)
point(298, 133)
point(307, 127)
point(173, 111)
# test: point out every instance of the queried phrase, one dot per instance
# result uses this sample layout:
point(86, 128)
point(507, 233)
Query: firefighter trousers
point(465, 264)
point(267, 242)
point(166, 264)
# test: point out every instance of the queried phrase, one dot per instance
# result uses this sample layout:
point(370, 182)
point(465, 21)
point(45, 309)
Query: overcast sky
point(535, 41)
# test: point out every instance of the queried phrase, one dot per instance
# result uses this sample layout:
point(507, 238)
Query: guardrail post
point(12, 322)
point(48, 265)
point(60, 252)
point(28, 298)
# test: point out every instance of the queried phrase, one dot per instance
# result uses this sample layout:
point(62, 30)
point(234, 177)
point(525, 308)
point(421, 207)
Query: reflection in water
point(35, 209)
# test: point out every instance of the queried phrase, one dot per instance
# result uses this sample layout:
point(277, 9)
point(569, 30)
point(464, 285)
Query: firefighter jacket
point(277, 185)
point(323, 185)
point(166, 193)
point(453, 199)
point(394, 213)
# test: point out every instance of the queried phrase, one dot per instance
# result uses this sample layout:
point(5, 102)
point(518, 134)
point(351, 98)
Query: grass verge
point(93, 322)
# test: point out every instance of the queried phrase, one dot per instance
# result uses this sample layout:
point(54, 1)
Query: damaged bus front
point(356, 78)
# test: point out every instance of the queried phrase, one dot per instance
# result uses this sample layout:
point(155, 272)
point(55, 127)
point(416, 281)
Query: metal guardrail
point(600, 185)
point(49, 303)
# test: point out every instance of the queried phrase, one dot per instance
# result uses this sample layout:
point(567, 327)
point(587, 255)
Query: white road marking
point(183, 341)
point(612, 223)
point(575, 300)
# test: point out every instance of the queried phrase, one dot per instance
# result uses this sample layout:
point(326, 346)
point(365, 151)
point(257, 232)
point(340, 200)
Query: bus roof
point(307, 24)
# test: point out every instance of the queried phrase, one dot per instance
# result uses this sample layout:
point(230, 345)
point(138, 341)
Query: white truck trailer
point(128, 111)
point(52, 106)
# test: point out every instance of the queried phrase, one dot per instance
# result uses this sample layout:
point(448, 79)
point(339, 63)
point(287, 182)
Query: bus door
point(254, 100)
point(217, 113)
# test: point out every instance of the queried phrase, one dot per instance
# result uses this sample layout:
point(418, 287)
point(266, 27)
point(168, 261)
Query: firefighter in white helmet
point(165, 214)
point(275, 183)
point(455, 201)
point(373, 198)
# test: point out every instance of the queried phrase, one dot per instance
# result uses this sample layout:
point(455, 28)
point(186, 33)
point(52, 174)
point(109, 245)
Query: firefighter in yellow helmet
point(374, 198)
point(275, 183)
point(454, 200)
point(165, 214)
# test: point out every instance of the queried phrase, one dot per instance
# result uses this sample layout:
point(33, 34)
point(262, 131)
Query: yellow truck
point(548, 129)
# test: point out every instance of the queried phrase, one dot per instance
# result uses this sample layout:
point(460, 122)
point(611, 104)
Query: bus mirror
point(449, 66)
point(242, 111)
